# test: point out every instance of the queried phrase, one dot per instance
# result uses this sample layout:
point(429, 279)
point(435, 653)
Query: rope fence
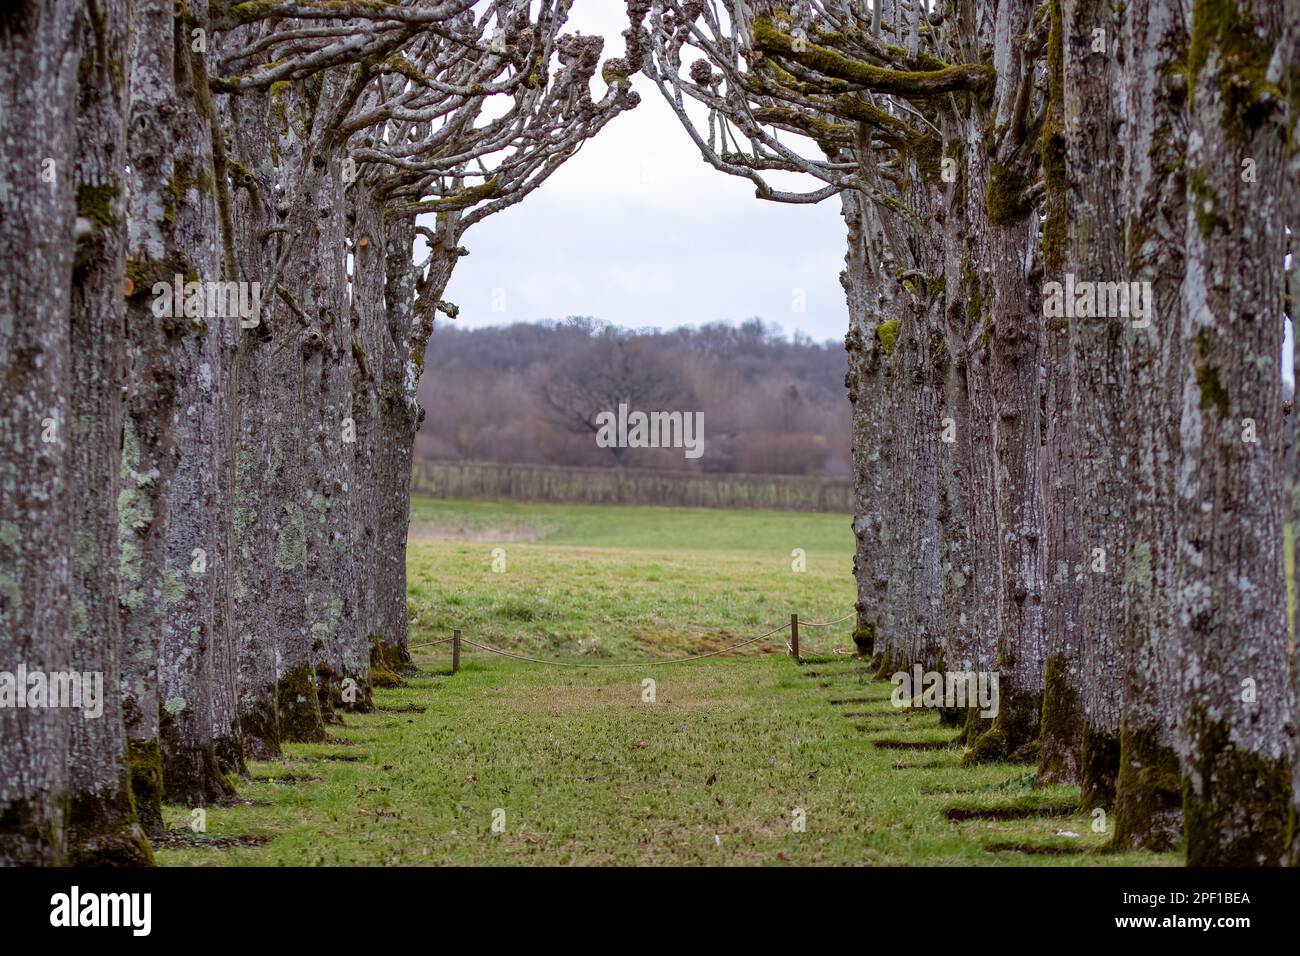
point(792, 645)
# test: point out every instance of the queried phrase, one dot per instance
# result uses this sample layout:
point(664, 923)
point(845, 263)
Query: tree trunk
point(39, 50)
point(103, 828)
point(148, 443)
point(865, 383)
point(256, 463)
point(1291, 209)
point(370, 333)
point(195, 536)
point(296, 350)
point(1231, 589)
point(328, 423)
point(1148, 800)
point(1061, 727)
point(410, 322)
point(1102, 406)
point(1004, 232)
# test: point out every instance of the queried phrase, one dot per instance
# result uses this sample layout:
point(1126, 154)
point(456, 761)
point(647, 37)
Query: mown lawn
point(577, 768)
point(604, 582)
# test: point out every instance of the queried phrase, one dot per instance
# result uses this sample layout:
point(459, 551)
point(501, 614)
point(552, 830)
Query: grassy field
point(605, 582)
point(747, 759)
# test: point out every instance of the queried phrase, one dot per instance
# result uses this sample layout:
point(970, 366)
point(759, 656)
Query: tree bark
point(370, 335)
point(1102, 406)
point(103, 828)
point(1290, 48)
point(256, 462)
point(1061, 728)
point(191, 657)
point(39, 50)
point(1148, 807)
point(298, 343)
point(865, 384)
point(1002, 251)
point(1231, 588)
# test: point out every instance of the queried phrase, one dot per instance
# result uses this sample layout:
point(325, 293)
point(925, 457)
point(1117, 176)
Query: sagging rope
point(655, 663)
point(847, 617)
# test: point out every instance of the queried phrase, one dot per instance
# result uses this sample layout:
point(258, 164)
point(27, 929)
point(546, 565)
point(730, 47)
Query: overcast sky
point(638, 230)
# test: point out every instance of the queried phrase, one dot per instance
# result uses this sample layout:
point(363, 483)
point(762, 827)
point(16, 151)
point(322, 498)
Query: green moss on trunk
point(329, 693)
point(299, 706)
point(974, 727)
point(1014, 728)
point(29, 834)
point(145, 767)
point(1061, 725)
point(260, 728)
point(363, 701)
point(1148, 793)
point(1098, 768)
point(104, 829)
point(1236, 803)
point(1225, 34)
point(864, 638)
point(191, 774)
point(229, 749)
point(388, 662)
point(1006, 201)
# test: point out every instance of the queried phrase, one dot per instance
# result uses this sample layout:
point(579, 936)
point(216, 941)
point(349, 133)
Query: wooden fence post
point(794, 637)
point(455, 651)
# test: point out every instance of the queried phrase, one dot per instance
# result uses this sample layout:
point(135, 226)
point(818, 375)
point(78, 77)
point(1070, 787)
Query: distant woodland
point(529, 393)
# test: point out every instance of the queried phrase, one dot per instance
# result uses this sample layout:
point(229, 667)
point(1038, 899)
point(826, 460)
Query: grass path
point(712, 772)
point(586, 772)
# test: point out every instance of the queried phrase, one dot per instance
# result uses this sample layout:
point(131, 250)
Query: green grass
point(621, 526)
point(606, 582)
point(586, 773)
point(712, 771)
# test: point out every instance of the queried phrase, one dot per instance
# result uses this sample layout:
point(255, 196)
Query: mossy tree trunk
point(296, 351)
point(196, 538)
point(919, 359)
point(1291, 209)
point(976, 434)
point(1148, 799)
point(330, 433)
point(368, 231)
point(1232, 595)
point(148, 440)
point(866, 392)
point(953, 426)
point(39, 51)
point(258, 457)
point(103, 828)
point(1102, 407)
point(1061, 724)
point(1004, 237)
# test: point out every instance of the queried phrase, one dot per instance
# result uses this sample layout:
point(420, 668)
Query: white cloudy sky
point(637, 230)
